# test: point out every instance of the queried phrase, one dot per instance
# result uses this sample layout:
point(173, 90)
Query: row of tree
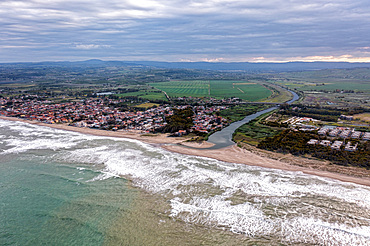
point(317, 112)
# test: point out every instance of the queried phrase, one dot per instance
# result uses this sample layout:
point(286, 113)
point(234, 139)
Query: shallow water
point(64, 188)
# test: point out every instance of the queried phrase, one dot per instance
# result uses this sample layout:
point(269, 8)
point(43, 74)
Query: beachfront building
point(325, 143)
point(105, 113)
point(345, 133)
point(336, 145)
point(313, 142)
point(323, 131)
point(335, 132)
point(350, 147)
point(356, 134)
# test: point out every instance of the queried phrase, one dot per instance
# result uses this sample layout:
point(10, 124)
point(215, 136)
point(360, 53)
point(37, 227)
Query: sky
point(185, 30)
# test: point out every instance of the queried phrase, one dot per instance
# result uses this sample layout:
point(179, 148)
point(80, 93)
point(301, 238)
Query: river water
point(65, 188)
point(223, 138)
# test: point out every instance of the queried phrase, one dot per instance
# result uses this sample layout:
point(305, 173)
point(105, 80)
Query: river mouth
point(223, 138)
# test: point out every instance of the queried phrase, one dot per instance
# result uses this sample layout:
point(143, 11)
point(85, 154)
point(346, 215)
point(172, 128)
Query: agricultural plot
point(149, 95)
point(335, 87)
point(330, 85)
point(184, 88)
point(241, 89)
point(357, 80)
point(214, 88)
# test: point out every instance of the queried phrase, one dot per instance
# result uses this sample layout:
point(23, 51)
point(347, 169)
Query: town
point(105, 113)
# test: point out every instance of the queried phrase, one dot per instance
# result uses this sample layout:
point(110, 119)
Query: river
point(223, 138)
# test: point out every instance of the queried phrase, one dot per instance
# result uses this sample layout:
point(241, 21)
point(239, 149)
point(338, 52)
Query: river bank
point(231, 154)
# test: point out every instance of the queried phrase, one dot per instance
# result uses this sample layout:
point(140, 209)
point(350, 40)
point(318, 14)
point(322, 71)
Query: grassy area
point(254, 132)
point(245, 90)
point(238, 112)
point(147, 105)
point(241, 89)
point(145, 94)
point(336, 87)
point(196, 88)
point(329, 80)
point(363, 117)
point(278, 94)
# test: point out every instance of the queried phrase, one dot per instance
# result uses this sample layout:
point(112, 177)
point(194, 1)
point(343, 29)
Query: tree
point(180, 120)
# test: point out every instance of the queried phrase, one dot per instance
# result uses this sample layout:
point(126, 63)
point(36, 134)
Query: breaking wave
point(257, 202)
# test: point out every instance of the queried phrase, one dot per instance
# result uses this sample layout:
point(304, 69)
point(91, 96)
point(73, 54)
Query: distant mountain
point(215, 66)
point(255, 67)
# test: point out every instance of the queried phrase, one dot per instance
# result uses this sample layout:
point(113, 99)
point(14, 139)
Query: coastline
point(233, 154)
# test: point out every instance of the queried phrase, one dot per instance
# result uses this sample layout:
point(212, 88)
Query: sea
point(66, 188)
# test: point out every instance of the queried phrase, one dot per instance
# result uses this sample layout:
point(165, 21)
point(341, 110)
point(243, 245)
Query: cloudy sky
point(185, 30)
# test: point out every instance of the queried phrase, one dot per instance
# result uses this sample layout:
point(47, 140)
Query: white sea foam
point(184, 177)
point(200, 190)
point(295, 207)
point(103, 176)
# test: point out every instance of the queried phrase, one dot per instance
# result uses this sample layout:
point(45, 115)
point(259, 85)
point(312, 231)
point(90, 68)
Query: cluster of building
point(331, 131)
point(301, 123)
point(343, 132)
point(340, 132)
point(105, 113)
point(205, 121)
point(336, 145)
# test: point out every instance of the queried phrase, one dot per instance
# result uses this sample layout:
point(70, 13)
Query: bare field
point(363, 117)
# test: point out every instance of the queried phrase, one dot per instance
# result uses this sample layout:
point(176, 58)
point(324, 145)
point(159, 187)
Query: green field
point(214, 88)
point(148, 95)
point(335, 87)
point(195, 88)
point(357, 80)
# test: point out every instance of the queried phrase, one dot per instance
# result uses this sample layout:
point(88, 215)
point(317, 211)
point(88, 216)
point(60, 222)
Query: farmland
point(196, 88)
point(219, 89)
point(151, 95)
point(357, 80)
point(336, 87)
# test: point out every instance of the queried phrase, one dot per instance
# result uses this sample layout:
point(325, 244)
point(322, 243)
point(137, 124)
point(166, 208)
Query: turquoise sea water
point(66, 188)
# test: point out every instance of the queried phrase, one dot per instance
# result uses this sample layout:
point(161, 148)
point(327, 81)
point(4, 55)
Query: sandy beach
point(248, 155)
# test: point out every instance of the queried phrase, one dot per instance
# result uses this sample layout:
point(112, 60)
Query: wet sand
point(231, 154)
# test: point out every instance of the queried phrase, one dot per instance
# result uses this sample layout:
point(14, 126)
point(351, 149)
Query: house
point(336, 145)
point(325, 142)
point(345, 133)
point(350, 147)
point(323, 131)
point(346, 117)
point(334, 132)
point(313, 142)
point(356, 134)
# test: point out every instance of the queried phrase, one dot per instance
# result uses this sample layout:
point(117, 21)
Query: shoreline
point(233, 154)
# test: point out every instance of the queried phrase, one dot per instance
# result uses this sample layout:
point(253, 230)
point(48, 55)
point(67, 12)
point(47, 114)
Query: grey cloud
point(157, 30)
